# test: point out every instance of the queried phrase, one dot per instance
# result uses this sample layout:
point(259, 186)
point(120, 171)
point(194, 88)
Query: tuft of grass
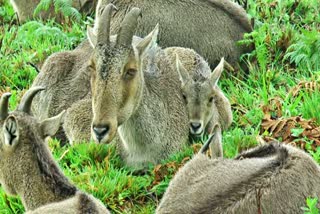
point(314, 154)
point(310, 106)
point(38, 41)
point(311, 206)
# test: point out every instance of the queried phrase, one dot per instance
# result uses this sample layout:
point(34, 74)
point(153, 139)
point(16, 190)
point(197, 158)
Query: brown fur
point(151, 101)
point(210, 27)
point(28, 169)
point(275, 178)
point(77, 122)
point(66, 79)
point(206, 103)
point(86, 205)
point(199, 74)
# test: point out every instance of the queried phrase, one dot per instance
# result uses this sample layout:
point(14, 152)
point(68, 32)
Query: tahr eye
point(130, 73)
point(210, 99)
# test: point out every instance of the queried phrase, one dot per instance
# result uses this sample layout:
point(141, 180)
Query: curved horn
point(26, 101)
point(128, 27)
point(103, 34)
point(4, 103)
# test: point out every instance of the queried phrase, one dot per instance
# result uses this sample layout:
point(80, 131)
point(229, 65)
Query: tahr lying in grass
point(206, 103)
point(210, 27)
point(134, 91)
point(274, 178)
point(27, 167)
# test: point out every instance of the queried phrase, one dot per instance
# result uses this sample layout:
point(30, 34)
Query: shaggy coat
point(274, 178)
point(27, 167)
point(210, 27)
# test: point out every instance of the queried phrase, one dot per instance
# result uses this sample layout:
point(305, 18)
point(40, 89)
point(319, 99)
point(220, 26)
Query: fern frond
point(42, 6)
point(65, 7)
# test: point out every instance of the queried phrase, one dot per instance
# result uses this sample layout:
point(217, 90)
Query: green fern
point(63, 6)
point(258, 38)
point(305, 52)
point(43, 5)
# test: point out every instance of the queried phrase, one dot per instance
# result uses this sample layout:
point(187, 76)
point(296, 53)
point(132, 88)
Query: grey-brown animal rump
point(66, 79)
point(274, 178)
point(27, 167)
point(77, 123)
point(210, 27)
point(25, 9)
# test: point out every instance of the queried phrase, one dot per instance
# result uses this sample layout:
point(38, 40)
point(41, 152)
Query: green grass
point(287, 43)
point(311, 206)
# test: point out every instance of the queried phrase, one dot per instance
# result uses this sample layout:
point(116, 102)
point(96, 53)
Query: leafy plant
point(305, 51)
point(310, 106)
point(38, 41)
point(314, 154)
point(63, 6)
point(283, 31)
point(311, 206)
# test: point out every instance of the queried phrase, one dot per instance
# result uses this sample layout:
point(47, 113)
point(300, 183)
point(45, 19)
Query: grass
point(282, 83)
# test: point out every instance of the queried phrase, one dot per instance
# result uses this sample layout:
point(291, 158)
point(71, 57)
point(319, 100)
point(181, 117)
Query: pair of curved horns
point(25, 104)
point(127, 28)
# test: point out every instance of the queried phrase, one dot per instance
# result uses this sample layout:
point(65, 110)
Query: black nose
point(100, 131)
point(195, 126)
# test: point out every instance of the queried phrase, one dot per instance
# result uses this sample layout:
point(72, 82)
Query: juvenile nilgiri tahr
point(27, 167)
point(206, 103)
point(273, 178)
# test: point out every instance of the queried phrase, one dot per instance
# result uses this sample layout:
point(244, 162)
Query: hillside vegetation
point(278, 99)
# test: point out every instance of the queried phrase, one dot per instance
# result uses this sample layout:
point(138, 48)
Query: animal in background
point(211, 27)
point(205, 101)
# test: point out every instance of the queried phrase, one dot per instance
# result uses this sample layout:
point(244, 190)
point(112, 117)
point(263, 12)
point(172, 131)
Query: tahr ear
point(183, 73)
point(50, 126)
point(148, 42)
point(11, 131)
point(215, 75)
point(91, 36)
